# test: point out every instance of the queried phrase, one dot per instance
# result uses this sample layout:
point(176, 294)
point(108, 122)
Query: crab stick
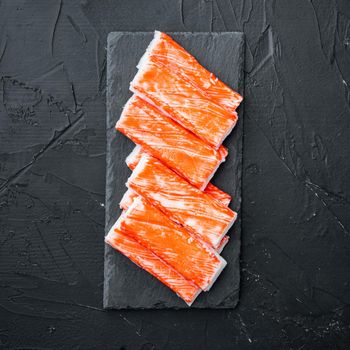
point(180, 150)
point(163, 50)
point(152, 229)
point(182, 102)
point(198, 212)
point(154, 265)
point(130, 196)
point(134, 157)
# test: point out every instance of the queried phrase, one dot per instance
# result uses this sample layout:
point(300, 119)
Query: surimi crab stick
point(172, 243)
point(166, 140)
point(196, 211)
point(130, 196)
point(154, 265)
point(134, 157)
point(165, 51)
point(179, 100)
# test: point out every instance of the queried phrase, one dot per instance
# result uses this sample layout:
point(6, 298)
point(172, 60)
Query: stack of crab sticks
point(174, 221)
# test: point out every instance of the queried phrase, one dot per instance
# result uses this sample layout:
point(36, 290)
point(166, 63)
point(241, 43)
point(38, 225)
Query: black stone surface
point(296, 189)
point(222, 54)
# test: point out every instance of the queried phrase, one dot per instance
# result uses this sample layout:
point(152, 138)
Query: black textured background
point(296, 187)
point(222, 54)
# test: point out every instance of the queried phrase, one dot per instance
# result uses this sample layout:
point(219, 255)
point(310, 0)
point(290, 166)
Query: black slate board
point(126, 285)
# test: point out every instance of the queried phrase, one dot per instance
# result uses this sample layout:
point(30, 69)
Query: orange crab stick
point(130, 196)
point(196, 211)
point(154, 265)
point(172, 243)
point(179, 100)
point(166, 140)
point(163, 50)
point(134, 157)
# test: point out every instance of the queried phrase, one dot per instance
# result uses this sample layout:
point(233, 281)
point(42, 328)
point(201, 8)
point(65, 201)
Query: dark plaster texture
point(295, 182)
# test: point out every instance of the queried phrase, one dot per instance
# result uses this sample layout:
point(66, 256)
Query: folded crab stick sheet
point(152, 229)
point(179, 100)
point(128, 199)
point(165, 51)
point(134, 157)
point(130, 196)
point(180, 150)
point(154, 265)
point(196, 211)
point(222, 244)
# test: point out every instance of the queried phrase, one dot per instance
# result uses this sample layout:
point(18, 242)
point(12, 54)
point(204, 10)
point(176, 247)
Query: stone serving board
point(126, 286)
